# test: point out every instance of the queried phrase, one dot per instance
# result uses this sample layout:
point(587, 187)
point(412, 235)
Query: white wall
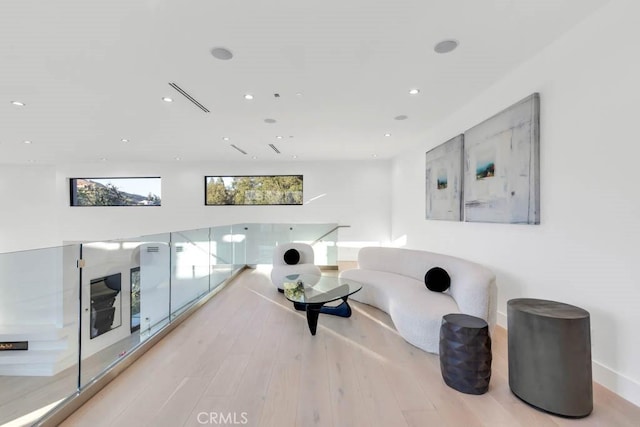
point(357, 194)
point(36, 297)
point(27, 207)
point(586, 246)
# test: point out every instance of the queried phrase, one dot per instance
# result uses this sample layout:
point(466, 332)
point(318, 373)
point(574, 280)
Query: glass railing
point(69, 313)
point(258, 240)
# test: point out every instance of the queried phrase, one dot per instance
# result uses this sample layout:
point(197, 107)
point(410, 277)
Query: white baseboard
point(621, 385)
point(501, 319)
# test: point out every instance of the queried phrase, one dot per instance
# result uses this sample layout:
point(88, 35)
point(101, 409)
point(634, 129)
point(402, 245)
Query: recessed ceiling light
point(167, 99)
point(401, 117)
point(221, 53)
point(414, 91)
point(299, 94)
point(374, 155)
point(27, 142)
point(18, 103)
point(294, 157)
point(103, 159)
point(254, 157)
point(178, 158)
point(248, 96)
point(31, 161)
point(445, 46)
point(270, 120)
point(387, 134)
point(124, 140)
point(278, 137)
point(225, 138)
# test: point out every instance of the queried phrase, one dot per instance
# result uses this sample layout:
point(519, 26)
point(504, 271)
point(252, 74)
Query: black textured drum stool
point(465, 353)
point(550, 356)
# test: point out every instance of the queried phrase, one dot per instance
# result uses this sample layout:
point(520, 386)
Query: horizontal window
point(115, 191)
point(253, 190)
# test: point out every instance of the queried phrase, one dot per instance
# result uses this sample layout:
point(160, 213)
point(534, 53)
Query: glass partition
point(69, 313)
point(104, 281)
point(38, 331)
point(189, 268)
point(323, 237)
point(239, 237)
point(256, 241)
point(221, 254)
point(155, 281)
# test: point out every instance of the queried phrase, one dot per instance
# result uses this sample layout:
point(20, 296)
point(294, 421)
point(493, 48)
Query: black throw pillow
point(437, 279)
point(292, 257)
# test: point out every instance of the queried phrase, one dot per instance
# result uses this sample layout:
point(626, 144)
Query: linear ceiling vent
point(152, 249)
point(189, 97)
point(239, 149)
point(179, 248)
point(274, 148)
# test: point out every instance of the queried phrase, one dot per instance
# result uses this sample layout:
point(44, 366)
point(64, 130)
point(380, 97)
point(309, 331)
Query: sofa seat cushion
point(415, 311)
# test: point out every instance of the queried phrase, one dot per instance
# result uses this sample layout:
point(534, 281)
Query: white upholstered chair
point(292, 258)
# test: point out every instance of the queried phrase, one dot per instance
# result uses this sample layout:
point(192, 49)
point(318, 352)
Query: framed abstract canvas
point(443, 179)
point(502, 166)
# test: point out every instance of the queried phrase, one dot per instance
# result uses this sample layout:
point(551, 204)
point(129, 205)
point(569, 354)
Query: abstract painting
point(443, 175)
point(502, 166)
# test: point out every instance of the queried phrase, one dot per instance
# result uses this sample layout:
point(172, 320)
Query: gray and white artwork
point(502, 166)
point(443, 174)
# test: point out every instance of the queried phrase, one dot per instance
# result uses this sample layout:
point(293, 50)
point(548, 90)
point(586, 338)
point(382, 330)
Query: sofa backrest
point(472, 285)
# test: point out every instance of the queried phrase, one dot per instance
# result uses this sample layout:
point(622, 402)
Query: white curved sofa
point(393, 280)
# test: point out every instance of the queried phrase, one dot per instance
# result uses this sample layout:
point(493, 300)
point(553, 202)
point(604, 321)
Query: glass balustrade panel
point(222, 254)
point(150, 285)
point(190, 267)
point(106, 309)
point(38, 331)
point(239, 237)
point(262, 239)
point(322, 237)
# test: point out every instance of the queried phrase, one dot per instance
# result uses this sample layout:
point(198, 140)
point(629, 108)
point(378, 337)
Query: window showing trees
point(115, 191)
point(253, 190)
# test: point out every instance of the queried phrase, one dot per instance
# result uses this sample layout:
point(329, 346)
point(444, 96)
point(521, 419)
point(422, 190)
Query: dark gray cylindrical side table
point(465, 353)
point(550, 356)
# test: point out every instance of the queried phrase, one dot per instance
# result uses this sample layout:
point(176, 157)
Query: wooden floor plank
point(314, 403)
point(180, 404)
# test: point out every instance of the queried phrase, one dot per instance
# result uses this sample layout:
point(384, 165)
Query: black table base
point(314, 310)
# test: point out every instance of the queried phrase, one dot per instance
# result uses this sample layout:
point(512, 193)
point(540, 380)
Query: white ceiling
point(94, 72)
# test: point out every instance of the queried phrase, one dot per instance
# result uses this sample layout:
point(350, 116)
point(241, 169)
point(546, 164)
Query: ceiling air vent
point(274, 148)
point(179, 248)
point(153, 249)
point(189, 97)
point(239, 149)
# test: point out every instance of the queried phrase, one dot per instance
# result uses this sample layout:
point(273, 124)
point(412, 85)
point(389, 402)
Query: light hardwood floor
point(247, 357)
